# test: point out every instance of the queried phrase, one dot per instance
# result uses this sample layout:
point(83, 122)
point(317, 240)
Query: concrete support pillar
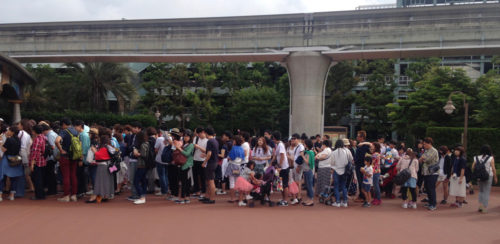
point(307, 71)
point(16, 117)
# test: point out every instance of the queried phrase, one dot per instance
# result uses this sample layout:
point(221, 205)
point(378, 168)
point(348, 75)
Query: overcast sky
point(16, 11)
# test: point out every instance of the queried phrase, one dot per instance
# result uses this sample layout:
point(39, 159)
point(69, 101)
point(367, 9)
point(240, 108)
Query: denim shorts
point(367, 187)
point(411, 183)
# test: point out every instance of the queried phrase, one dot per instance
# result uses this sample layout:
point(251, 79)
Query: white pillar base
point(307, 71)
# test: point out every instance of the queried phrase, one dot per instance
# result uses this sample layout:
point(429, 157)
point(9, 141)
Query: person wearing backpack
point(161, 166)
point(487, 160)
point(457, 181)
point(409, 161)
point(84, 138)
point(67, 162)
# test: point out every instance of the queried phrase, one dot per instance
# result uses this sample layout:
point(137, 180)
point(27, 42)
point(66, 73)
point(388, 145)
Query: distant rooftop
point(423, 3)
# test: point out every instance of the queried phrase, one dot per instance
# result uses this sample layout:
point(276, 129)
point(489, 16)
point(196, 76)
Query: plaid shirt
point(37, 151)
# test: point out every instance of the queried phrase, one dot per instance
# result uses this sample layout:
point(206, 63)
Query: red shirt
point(102, 154)
point(376, 163)
point(37, 151)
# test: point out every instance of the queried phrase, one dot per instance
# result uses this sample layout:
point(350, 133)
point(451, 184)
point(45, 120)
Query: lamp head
point(449, 108)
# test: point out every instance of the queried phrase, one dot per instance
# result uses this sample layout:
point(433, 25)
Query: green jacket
point(188, 152)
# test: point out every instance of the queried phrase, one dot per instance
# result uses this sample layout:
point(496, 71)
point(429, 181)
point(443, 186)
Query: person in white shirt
point(294, 152)
point(161, 167)
point(324, 167)
point(261, 155)
point(487, 159)
point(25, 137)
point(367, 181)
point(280, 155)
point(246, 146)
point(341, 156)
point(200, 145)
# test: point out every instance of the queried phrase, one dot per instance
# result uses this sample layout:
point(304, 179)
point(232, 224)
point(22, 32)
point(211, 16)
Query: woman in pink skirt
point(244, 182)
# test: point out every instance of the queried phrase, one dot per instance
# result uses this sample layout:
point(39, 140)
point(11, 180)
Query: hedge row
point(88, 117)
point(476, 137)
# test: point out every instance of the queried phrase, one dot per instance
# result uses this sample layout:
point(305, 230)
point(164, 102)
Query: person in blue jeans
point(162, 167)
point(140, 180)
point(308, 167)
point(341, 156)
point(375, 149)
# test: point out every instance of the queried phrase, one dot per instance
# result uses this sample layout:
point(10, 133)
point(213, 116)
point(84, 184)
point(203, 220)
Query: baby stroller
point(263, 193)
point(387, 181)
point(327, 195)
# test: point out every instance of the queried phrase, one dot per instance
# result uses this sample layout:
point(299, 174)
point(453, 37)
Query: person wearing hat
point(186, 150)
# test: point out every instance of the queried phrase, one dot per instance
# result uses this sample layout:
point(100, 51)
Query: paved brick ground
point(159, 221)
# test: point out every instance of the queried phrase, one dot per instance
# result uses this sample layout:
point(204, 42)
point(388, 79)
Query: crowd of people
point(82, 160)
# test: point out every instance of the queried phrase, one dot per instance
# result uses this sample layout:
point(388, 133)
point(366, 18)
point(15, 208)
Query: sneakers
point(73, 198)
point(89, 192)
point(294, 201)
point(172, 198)
point(366, 205)
point(344, 204)
point(63, 199)
point(140, 201)
point(283, 203)
point(187, 201)
point(220, 192)
point(413, 205)
point(179, 201)
point(376, 202)
point(336, 204)
point(405, 205)
point(431, 208)
point(443, 202)
point(133, 198)
point(242, 204)
point(425, 200)
point(209, 202)
point(248, 197)
point(11, 198)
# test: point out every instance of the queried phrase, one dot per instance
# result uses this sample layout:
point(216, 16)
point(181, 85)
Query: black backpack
point(48, 150)
point(167, 154)
point(480, 172)
point(150, 159)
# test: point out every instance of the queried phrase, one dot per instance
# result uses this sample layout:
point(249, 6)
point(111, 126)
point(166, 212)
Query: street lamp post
point(157, 115)
point(449, 108)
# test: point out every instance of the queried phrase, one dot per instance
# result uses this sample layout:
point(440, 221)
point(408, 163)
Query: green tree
point(167, 90)
point(204, 106)
point(378, 94)
point(488, 113)
point(256, 109)
point(51, 89)
point(339, 87)
point(424, 107)
point(102, 78)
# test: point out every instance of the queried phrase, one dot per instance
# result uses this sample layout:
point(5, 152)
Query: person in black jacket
point(359, 157)
point(445, 165)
